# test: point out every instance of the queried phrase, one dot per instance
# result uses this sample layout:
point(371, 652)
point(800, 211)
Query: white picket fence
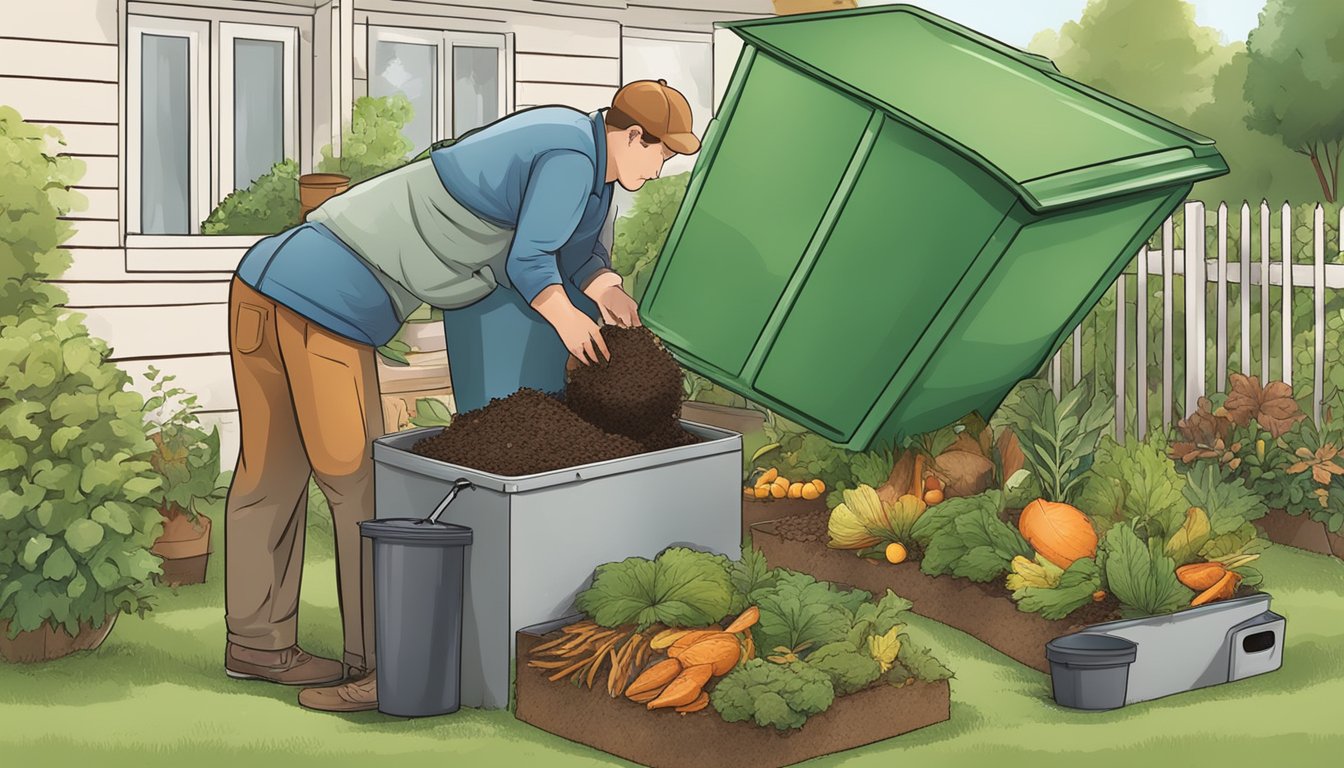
point(1267, 269)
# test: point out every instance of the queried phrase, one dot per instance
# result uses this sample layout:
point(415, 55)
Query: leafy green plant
point(431, 412)
point(373, 142)
point(1140, 574)
point(185, 456)
point(77, 496)
point(782, 696)
point(679, 588)
point(967, 537)
point(850, 668)
point(1229, 505)
point(268, 205)
point(640, 235)
point(798, 612)
point(748, 575)
point(1073, 589)
point(1134, 481)
point(1057, 437)
point(1317, 473)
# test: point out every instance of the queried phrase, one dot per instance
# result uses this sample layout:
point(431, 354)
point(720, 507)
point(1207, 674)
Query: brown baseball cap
point(661, 111)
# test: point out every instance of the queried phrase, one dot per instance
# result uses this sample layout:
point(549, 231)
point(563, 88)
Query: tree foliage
point(1150, 53)
point(1295, 82)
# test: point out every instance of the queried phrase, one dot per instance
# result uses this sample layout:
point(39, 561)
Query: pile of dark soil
point(812, 526)
point(611, 409)
point(523, 434)
point(637, 393)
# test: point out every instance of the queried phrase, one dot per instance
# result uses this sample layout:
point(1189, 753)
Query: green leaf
point(61, 438)
point(393, 355)
point(114, 515)
point(101, 475)
point(431, 412)
point(83, 535)
point(12, 455)
point(75, 409)
point(680, 588)
point(58, 565)
point(799, 609)
point(36, 547)
point(138, 488)
point(1075, 589)
point(106, 574)
point(77, 586)
point(14, 419)
point(748, 575)
point(975, 544)
point(140, 564)
point(1140, 576)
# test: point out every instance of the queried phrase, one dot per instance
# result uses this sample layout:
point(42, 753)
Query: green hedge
point(78, 500)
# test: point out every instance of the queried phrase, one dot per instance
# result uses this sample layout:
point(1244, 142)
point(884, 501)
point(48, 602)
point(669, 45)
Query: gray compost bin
point(1195, 648)
point(537, 538)
point(1090, 671)
point(417, 587)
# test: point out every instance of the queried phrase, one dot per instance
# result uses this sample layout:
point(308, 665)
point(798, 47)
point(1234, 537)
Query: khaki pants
point(308, 404)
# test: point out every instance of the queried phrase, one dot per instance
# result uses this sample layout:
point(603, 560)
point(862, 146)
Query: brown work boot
point(289, 666)
point(351, 696)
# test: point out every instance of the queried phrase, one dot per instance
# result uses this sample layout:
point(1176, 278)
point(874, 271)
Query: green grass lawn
point(155, 694)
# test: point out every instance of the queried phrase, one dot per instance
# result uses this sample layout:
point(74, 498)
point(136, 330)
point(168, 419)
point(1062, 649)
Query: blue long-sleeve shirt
point(527, 196)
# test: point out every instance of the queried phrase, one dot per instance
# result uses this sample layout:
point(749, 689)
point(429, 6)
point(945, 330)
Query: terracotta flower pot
point(184, 547)
point(48, 642)
point(317, 188)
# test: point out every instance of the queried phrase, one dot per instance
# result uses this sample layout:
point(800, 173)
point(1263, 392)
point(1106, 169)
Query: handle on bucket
point(458, 485)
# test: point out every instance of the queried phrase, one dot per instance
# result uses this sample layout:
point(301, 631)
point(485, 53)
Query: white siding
point(576, 37)
point(552, 68)
point(162, 331)
point(42, 101)
point(584, 97)
point(85, 21)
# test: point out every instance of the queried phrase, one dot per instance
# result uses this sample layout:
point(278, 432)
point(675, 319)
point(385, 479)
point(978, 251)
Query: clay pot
point(317, 188)
point(184, 547)
point(48, 642)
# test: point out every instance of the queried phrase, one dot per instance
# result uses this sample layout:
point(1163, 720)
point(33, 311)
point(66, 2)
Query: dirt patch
point(637, 393)
point(664, 739)
point(522, 434)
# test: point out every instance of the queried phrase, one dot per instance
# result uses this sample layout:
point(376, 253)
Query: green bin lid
point(1054, 141)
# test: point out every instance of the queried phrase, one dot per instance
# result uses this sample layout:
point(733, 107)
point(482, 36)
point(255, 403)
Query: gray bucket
point(418, 566)
point(1090, 671)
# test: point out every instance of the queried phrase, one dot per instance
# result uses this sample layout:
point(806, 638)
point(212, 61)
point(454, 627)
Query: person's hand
point(577, 331)
point(617, 307)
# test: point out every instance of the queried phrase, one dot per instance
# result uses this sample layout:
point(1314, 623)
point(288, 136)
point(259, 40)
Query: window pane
point(258, 108)
point(411, 70)
point(475, 88)
point(164, 137)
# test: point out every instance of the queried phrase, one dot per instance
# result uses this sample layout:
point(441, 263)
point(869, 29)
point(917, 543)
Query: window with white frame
point(199, 92)
point(685, 61)
point(258, 125)
point(455, 81)
point(168, 187)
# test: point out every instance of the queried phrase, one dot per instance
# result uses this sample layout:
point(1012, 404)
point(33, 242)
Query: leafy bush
point(1135, 481)
point(266, 206)
point(798, 612)
point(186, 457)
point(640, 234)
point(373, 142)
point(1140, 574)
point(966, 537)
point(778, 695)
point(78, 516)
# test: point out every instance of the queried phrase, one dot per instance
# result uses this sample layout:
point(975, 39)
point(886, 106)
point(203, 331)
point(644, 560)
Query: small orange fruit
point(796, 491)
point(810, 491)
point(932, 497)
point(762, 491)
point(1099, 595)
point(821, 487)
point(896, 552)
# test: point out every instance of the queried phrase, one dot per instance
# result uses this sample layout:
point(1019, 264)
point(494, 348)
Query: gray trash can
point(418, 566)
point(1090, 671)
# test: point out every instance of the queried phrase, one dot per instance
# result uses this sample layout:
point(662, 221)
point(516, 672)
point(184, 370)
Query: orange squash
point(1059, 532)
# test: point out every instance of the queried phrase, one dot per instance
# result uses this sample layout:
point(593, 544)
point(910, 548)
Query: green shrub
point(270, 204)
point(77, 497)
point(640, 234)
point(185, 456)
point(373, 142)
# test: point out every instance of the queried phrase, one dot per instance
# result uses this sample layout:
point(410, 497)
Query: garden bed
point(1302, 532)
point(984, 611)
point(667, 740)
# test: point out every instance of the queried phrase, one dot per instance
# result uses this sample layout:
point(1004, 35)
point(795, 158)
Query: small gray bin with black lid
point(417, 590)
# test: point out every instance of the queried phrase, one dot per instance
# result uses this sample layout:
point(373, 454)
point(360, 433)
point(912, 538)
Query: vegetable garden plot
point(690, 659)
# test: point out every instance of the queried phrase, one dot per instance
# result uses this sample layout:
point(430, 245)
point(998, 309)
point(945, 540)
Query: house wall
point(162, 300)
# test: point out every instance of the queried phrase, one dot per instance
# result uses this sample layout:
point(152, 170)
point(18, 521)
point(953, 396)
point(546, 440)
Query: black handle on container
point(458, 485)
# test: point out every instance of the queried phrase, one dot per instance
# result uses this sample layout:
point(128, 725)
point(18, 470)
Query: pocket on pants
point(249, 327)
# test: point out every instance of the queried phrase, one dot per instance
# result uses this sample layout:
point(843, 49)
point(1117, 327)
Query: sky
point(1016, 21)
